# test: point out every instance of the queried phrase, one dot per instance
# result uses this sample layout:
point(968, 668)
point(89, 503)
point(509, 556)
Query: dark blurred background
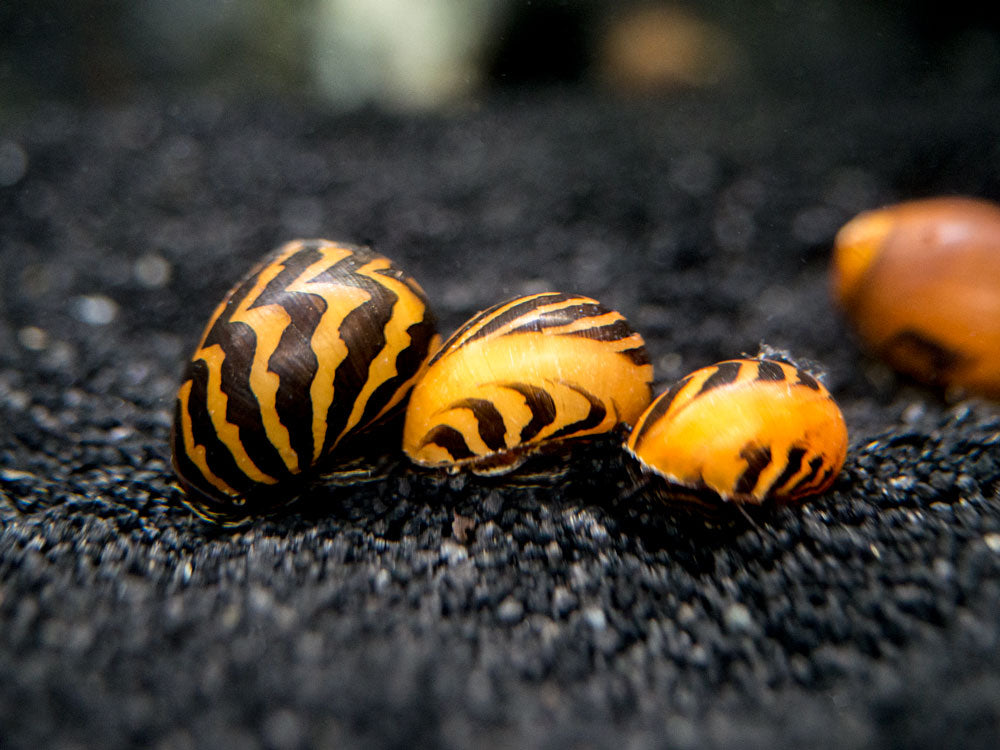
point(438, 53)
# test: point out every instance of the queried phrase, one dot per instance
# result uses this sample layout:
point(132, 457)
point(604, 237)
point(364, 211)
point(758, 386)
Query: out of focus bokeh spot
point(660, 47)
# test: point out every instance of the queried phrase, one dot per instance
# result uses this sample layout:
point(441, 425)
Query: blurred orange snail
point(920, 283)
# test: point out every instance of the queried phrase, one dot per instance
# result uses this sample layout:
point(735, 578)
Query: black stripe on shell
point(447, 437)
point(616, 331)
point(520, 310)
point(821, 480)
point(276, 290)
point(815, 478)
point(469, 324)
point(595, 415)
point(561, 316)
point(814, 466)
point(243, 289)
point(218, 456)
point(189, 473)
point(637, 355)
point(363, 331)
point(541, 404)
point(758, 457)
point(725, 373)
point(242, 407)
point(807, 380)
point(295, 364)
point(407, 363)
point(770, 371)
point(933, 360)
point(793, 464)
point(611, 332)
point(489, 420)
point(660, 407)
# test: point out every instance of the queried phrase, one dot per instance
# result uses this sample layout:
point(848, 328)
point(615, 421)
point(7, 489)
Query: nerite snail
point(920, 283)
point(742, 431)
point(318, 342)
point(523, 376)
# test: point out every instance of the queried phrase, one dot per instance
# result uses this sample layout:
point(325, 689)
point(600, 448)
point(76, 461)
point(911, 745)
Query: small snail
point(318, 342)
point(920, 282)
point(743, 431)
point(522, 376)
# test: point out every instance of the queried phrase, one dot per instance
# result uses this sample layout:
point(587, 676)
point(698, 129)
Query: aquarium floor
point(426, 611)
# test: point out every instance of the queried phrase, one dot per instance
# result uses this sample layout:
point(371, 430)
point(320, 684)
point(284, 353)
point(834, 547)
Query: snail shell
point(920, 283)
point(743, 431)
point(524, 375)
point(318, 342)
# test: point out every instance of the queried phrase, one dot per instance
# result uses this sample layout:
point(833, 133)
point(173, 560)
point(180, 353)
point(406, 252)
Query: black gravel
point(415, 611)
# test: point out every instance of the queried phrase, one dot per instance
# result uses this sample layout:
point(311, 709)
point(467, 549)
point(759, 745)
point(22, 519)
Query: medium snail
point(522, 377)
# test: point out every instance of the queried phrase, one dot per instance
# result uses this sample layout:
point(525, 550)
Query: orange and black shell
point(318, 342)
point(523, 375)
point(745, 431)
point(920, 283)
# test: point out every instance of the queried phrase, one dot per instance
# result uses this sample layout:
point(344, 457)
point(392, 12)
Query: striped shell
point(920, 283)
point(745, 430)
point(318, 342)
point(523, 374)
